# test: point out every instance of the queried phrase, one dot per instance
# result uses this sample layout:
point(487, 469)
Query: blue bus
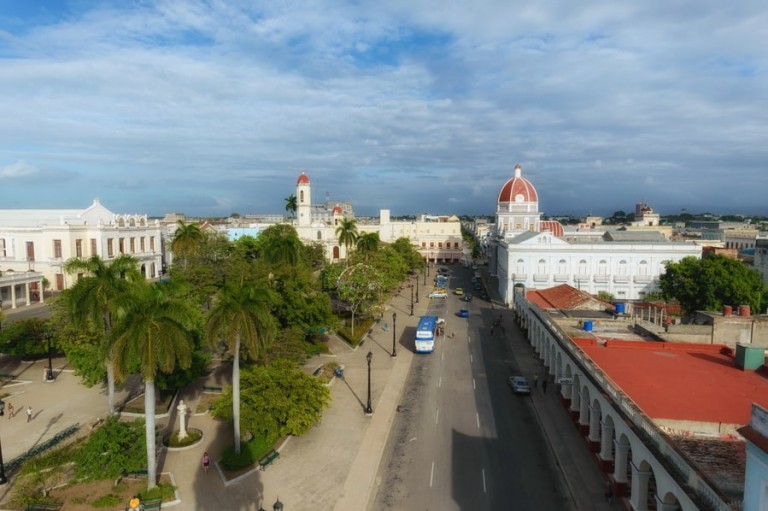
point(426, 333)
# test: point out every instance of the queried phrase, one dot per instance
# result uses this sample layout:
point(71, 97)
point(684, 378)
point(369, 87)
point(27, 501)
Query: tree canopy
point(712, 282)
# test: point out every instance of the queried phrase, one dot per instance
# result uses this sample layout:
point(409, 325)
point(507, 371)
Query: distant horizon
point(217, 107)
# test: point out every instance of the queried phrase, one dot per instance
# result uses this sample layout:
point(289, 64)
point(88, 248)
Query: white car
point(438, 294)
point(519, 384)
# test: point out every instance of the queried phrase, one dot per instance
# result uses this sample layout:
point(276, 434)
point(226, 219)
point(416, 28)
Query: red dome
point(337, 210)
point(518, 189)
point(303, 179)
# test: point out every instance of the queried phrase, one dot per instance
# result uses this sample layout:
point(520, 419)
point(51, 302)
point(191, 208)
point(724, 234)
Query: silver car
point(519, 384)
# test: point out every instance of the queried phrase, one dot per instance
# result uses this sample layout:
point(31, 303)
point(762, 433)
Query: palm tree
point(291, 205)
point(186, 240)
point(347, 233)
point(93, 301)
point(240, 316)
point(282, 249)
point(368, 242)
point(155, 331)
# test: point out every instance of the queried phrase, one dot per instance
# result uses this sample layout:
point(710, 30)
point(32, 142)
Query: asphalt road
point(461, 440)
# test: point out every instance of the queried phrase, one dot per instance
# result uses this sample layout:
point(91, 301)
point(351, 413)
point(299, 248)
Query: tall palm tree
point(186, 240)
point(93, 301)
point(291, 205)
point(240, 316)
point(347, 233)
point(154, 330)
point(282, 249)
point(368, 242)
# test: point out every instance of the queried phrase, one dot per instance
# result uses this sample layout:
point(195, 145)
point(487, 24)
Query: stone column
point(594, 428)
point(620, 467)
point(639, 496)
point(606, 442)
point(13, 296)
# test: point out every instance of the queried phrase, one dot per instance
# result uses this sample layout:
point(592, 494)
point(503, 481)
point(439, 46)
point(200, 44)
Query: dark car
point(467, 297)
point(464, 313)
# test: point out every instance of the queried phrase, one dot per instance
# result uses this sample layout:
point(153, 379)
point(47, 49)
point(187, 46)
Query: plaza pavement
point(332, 467)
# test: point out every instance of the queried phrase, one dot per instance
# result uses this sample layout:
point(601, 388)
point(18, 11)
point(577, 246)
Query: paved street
point(334, 466)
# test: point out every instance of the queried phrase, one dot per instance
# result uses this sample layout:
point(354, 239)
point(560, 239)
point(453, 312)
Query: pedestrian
point(608, 493)
point(10, 410)
point(29, 413)
point(535, 381)
point(544, 385)
point(206, 462)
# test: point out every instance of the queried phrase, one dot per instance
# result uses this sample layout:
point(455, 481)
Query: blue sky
point(213, 107)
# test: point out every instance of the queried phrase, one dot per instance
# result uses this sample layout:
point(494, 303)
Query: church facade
point(527, 251)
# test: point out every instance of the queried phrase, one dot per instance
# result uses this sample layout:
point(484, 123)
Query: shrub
point(193, 435)
point(112, 449)
point(250, 453)
point(163, 491)
point(109, 500)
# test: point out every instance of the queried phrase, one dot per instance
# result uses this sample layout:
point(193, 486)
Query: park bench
point(152, 504)
point(267, 460)
point(43, 506)
point(212, 389)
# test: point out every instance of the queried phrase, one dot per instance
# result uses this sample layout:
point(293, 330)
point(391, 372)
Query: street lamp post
point(49, 374)
point(417, 287)
point(368, 408)
point(394, 329)
point(3, 479)
point(278, 506)
point(411, 300)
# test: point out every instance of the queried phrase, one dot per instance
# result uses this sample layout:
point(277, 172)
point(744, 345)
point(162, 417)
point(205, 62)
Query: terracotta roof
point(560, 297)
point(555, 227)
point(518, 185)
point(303, 179)
point(680, 381)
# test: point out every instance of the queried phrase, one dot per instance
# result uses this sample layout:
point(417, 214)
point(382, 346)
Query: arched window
point(542, 268)
point(520, 266)
point(319, 235)
point(562, 267)
point(622, 267)
point(583, 267)
point(643, 268)
point(301, 196)
point(336, 252)
point(602, 267)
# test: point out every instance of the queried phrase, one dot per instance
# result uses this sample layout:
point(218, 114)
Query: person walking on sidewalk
point(536, 380)
point(10, 410)
point(544, 385)
point(206, 462)
point(29, 413)
point(608, 493)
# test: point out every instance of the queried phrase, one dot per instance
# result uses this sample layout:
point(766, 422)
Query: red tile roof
point(561, 297)
point(680, 381)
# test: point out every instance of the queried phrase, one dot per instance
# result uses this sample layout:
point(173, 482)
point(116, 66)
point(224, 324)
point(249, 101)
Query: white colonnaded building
point(35, 244)
point(527, 251)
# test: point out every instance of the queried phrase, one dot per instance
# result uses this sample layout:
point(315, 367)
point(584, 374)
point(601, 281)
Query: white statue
point(182, 408)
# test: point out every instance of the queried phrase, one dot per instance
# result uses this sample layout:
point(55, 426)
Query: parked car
point(464, 313)
point(438, 294)
point(519, 384)
point(467, 297)
point(459, 291)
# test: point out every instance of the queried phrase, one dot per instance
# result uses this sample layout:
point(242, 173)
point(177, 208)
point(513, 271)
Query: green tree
point(92, 302)
point(712, 282)
point(347, 233)
point(280, 244)
point(154, 330)
point(25, 338)
point(359, 286)
point(278, 400)
point(241, 317)
point(112, 449)
point(368, 242)
point(186, 240)
point(291, 205)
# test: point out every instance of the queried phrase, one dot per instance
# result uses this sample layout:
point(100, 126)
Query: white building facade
point(42, 240)
point(527, 251)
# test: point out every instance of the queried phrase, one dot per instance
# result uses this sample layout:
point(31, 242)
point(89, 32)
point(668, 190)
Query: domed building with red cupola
point(525, 251)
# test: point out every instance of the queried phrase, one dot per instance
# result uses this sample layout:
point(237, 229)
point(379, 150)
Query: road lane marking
point(474, 387)
point(471, 358)
point(477, 416)
point(440, 381)
point(485, 489)
point(432, 475)
point(437, 414)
